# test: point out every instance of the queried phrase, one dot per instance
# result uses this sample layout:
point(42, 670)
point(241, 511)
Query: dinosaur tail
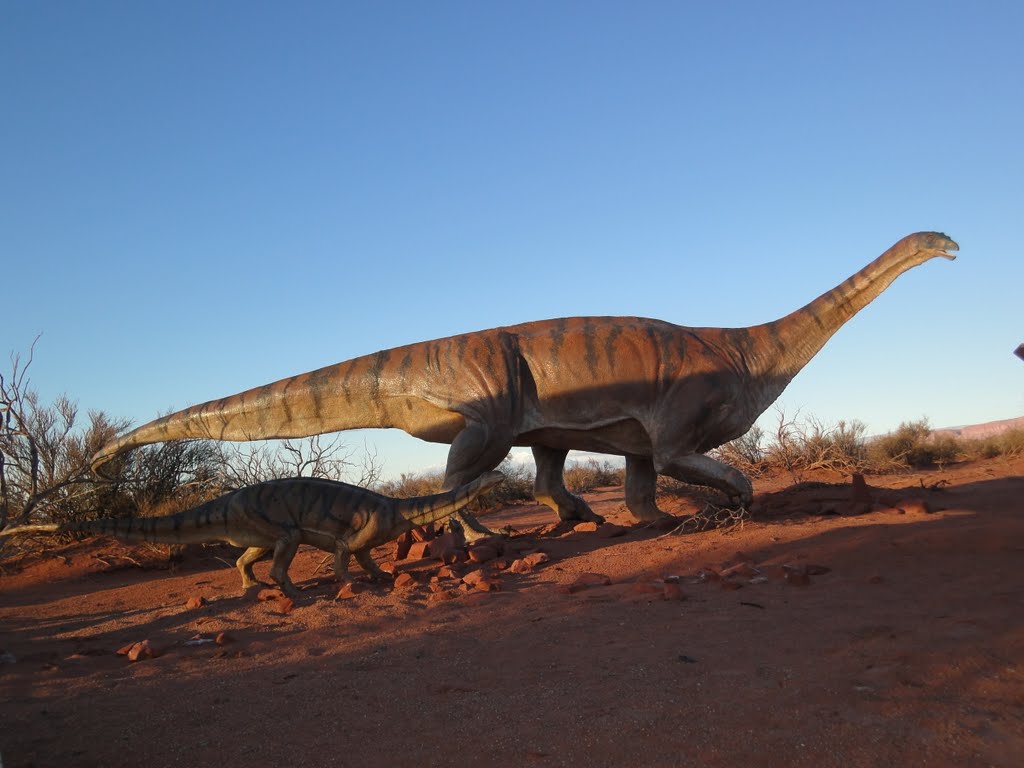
point(429, 509)
point(188, 527)
point(342, 396)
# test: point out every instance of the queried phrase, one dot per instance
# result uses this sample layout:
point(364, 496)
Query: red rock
point(528, 563)
point(349, 590)
point(860, 492)
point(453, 556)
point(424, 533)
point(498, 542)
point(588, 527)
point(487, 585)
point(195, 602)
point(482, 553)
point(673, 591)
point(914, 506)
point(745, 569)
point(447, 572)
point(588, 580)
point(442, 596)
point(404, 543)
point(796, 575)
point(286, 605)
point(441, 544)
point(405, 581)
point(223, 638)
point(473, 577)
point(389, 567)
point(123, 650)
point(142, 651)
point(266, 595)
point(647, 588)
point(419, 550)
point(611, 530)
point(707, 573)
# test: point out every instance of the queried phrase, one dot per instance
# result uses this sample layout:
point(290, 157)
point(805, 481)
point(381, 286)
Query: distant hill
point(981, 431)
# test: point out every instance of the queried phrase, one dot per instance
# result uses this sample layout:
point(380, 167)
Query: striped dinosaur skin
point(279, 515)
point(656, 393)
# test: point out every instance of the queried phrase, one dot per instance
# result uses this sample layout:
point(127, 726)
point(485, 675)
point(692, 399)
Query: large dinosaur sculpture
point(279, 515)
point(659, 394)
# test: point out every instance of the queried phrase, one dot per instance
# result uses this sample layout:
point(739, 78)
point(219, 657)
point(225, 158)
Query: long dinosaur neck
point(782, 348)
point(430, 509)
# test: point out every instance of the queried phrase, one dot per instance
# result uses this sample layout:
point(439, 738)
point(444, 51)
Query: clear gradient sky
point(201, 197)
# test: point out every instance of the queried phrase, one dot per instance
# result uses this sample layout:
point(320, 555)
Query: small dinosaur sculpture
point(659, 394)
point(279, 515)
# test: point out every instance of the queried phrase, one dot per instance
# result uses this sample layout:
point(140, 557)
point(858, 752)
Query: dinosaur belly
point(619, 438)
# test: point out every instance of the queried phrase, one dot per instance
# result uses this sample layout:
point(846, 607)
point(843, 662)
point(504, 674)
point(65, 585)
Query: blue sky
point(197, 198)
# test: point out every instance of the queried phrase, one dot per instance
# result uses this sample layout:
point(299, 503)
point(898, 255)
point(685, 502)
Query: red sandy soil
point(908, 651)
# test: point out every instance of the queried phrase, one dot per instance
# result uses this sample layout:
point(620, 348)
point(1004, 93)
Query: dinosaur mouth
point(949, 245)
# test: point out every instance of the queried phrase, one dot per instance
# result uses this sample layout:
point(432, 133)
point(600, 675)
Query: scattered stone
point(140, 651)
point(349, 590)
point(405, 581)
point(442, 596)
point(648, 588)
point(441, 544)
point(796, 575)
point(672, 590)
point(586, 581)
point(223, 638)
point(447, 572)
point(528, 563)
point(482, 553)
point(611, 531)
point(123, 650)
point(404, 543)
point(195, 602)
point(671, 578)
point(707, 573)
point(860, 492)
point(914, 506)
point(587, 527)
point(286, 605)
point(389, 567)
point(745, 569)
point(424, 533)
point(497, 542)
point(419, 550)
point(473, 577)
point(454, 555)
point(266, 595)
point(501, 564)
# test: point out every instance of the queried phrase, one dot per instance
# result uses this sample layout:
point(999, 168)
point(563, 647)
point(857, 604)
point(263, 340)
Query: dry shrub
point(585, 476)
point(913, 445)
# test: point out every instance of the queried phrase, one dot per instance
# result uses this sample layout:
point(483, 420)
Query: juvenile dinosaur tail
point(429, 509)
point(188, 527)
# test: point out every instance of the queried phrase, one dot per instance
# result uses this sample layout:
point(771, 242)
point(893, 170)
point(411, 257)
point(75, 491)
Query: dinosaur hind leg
point(284, 553)
point(475, 450)
point(642, 488)
point(245, 562)
point(702, 470)
point(549, 486)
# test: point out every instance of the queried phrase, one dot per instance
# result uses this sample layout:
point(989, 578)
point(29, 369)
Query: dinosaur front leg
point(642, 488)
point(245, 562)
point(549, 486)
point(373, 570)
point(698, 469)
point(475, 450)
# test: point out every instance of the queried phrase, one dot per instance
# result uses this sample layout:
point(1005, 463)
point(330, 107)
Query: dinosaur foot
point(578, 511)
point(471, 528)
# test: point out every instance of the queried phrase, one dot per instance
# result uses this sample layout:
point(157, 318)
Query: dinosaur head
point(932, 244)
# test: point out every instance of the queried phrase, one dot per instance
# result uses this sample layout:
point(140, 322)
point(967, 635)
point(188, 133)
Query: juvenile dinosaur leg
point(642, 488)
point(284, 553)
point(549, 487)
point(474, 451)
point(370, 566)
point(245, 562)
point(700, 470)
